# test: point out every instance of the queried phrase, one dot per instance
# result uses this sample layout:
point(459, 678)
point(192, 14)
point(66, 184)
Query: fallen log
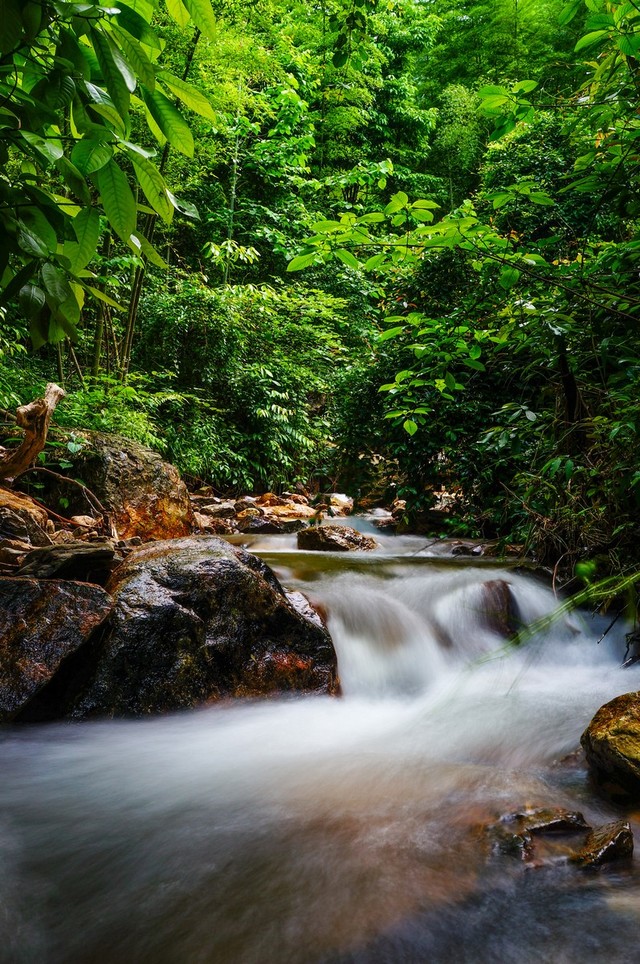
point(34, 419)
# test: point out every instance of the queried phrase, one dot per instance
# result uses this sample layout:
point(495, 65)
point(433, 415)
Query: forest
point(387, 247)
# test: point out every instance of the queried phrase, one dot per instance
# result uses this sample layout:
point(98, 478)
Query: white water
point(320, 829)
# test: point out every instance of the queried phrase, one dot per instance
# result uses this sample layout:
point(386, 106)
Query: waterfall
point(326, 830)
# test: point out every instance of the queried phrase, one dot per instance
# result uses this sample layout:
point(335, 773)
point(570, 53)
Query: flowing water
point(341, 831)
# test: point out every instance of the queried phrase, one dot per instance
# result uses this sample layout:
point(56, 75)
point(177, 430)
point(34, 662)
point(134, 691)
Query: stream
point(337, 831)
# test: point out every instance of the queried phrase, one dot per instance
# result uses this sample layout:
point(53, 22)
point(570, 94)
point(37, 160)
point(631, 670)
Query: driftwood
point(34, 418)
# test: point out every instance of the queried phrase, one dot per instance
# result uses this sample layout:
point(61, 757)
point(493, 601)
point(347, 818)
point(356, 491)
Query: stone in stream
point(197, 620)
point(42, 624)
point(514, 832)
point(334, 538)
point(612, 743)
point(613, 841)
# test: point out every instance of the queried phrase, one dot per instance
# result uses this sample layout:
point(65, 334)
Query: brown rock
point(613, 841)
point(144, 495)
point(499, 609)
point(22, 518)
point(612, 742)
point(196, 620)
point(84, 561)
point(253, 511)
point(334, 538)
point(271, 499)
point(219, 510)
point(41, 625)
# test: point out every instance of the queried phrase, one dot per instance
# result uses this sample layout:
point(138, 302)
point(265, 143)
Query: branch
point(34, 419)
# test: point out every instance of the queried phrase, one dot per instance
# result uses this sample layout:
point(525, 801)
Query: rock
point(245, 503)
point(259, 525)
point(293, 525)
point(22, 518)
point(514, 833)
point(41, 625)
point(196, 620)
point(219, 510)
point(334, 538)
point(343, 504)
point(292, 511)
point(144, 494)
point(83, 561)
point(499, 609)
point(86, 521)
point(271, 499)
point(252, 512)
point(297, 498)
point(613, 841)
point(612, 742)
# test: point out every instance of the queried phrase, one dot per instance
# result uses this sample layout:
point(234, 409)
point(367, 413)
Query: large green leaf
point(202, 15)
point(170, 121)
point(74, 179)
point(137, 26)
point(118, 87)
point(194, 99)
point(178, 12)
point(86, 227)
point(90, 154)
point(117, 200)
point(10, 25)
point(136, 58)
point(152, 183)
point(55, 281)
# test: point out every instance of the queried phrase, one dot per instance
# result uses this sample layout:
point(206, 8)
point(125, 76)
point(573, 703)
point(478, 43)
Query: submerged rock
point(613, 841)
point(42, 623)
point(514, 833)
point(612, 742)
point(196, 620)
point(334, 538)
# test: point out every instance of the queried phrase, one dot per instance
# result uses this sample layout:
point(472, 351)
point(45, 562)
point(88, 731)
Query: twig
point(93, 501)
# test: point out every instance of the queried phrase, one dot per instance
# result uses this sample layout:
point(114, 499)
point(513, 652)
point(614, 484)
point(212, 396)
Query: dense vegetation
point(391, 247)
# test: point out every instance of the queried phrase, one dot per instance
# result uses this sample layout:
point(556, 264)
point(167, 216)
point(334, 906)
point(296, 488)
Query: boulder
point(612, 742)
point(144, 495)
point(196, 620)
point(259, 525)
point(340, 503)
point(613, 841)
point(219, 510)
point(334, 538)
point(42, 624)
point(499, 609)
point(83, 561)
point(22, 518)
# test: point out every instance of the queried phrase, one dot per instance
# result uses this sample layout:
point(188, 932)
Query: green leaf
point(116, 84)
point(186, 208)
point(474, 363)
point(449, 381)
point(135, 25)
point(55, 281)
point(347, 258)
point(31, 299)
point(398, 201)
point(48, 150)
point(101, 296)
point(410, 426)
point(374, 218)
point(86, 227)
point(327, 227)
point(74, 180)
point(590, 39)
point(524, 86)
point(508, 277)
point(90, 154)
point(190, 96)
point(629, 44)
point(202, 15)
point(178, 12)
point(10, 25)
point(152, 183)
point(136, 57)
point(31, 243)
point(374, 262)
point(169, 120)
point(340, 59)
point(117, 200)
point(390, 333)
point(301, 261)
point(568, 12)
point(148, 251)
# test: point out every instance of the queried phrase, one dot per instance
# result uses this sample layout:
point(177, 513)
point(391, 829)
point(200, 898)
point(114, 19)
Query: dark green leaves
point(170, 121)
point(117, 200)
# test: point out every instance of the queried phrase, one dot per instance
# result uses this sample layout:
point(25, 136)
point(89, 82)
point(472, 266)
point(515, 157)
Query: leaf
point(136, 57)
point(508, 277)
point(86, 227)
point(374, 262)
point(48, 151)
point(327, 227)
point(152, 183)
point(340, 59)
point(390, 333)
point(116, 84)
point(524, 86)
point(347, 258)
point(410, 426)
point(178, 12)
point(590, 39)
point(31, 299)
point(169, 120)
point(449, 381)
point(202, 15)
point(55, 281)
point(10, 25)
point(90, 154)
point(31, 243)
point(397, 202)
point(117, 200)
point(301, 261)
point(101, 296)
point(74, 180)
point(186, 208)
point(629, 44)
point(374, 218)
point(568, 12)
point(190, 96)
point(474, 363)
point(136, 25)
point(150, 252)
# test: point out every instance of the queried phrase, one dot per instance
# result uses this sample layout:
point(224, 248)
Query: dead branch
point(108, 525)
point(34, 418)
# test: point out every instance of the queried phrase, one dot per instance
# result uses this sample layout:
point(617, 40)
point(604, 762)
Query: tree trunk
point(34, 418)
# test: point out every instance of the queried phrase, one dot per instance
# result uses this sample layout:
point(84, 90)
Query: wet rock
point(252, 512)
point(514, 833)
point(214, 526)
point(13, 551)
point(613, 841)
point(292, 510)
point(196, 620)
point(144, 494)
point(41, 625)
point(499, 609)
point(22, 518)
point(259, 525)
point(341, 504)
point(83, 561)
point(86, 521)
point(334, 538)
point(271, 499)
point(247, 502)
point(219, 510)
point(293, 525)
point(612, 742)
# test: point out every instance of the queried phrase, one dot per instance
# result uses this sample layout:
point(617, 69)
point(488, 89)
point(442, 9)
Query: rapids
point(338, 831)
